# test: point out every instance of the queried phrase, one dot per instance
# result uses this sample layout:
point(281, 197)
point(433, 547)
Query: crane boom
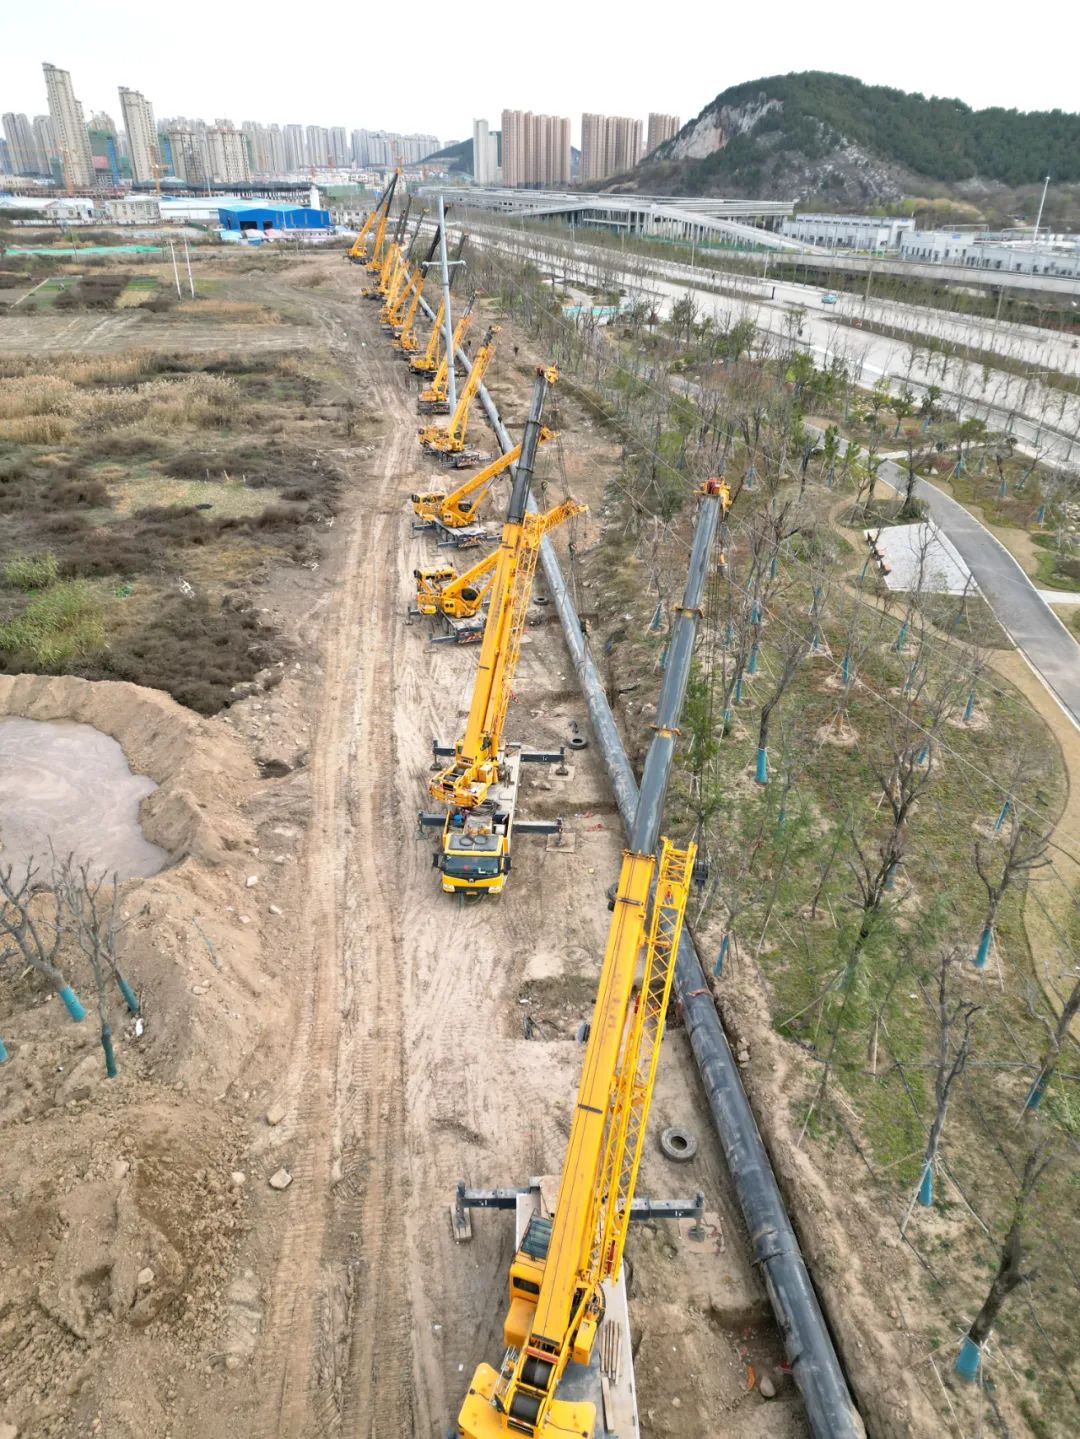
point(459, 507)
point(556, 1277)
point(435, 394)
point(357, 251)
point(375, 257)
point(451, 440)
point(465, 782)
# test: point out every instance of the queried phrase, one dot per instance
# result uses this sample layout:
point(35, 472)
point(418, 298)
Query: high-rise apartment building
point(23, 153)
point(69, 128)
point(295, 149)
point(45, 140)
point(485, 148)
point(275, 149)
point(318, 145)
point(535, 149)
point(339, 146)
point(189, 159)
point(661, 128)
point(138, 118)
point(228, 154)
point(610, 145)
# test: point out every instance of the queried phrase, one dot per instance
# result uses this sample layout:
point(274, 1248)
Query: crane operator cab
point(474, 857)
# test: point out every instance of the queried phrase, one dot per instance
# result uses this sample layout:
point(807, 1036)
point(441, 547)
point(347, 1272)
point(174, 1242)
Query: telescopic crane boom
point(477, 755)
point(556, 1276)
point(460, 507)
point(480, 785)
point(377, 217)
point(357, 251)
point(451, 440)
point(433, 399)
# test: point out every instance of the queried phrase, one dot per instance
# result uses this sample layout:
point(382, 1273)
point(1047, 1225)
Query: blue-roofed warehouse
point(249, 216)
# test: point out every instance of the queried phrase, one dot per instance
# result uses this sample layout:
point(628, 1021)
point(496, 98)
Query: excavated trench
point(66, 788)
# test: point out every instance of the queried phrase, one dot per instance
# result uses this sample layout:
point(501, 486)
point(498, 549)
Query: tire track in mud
point(336, 1353)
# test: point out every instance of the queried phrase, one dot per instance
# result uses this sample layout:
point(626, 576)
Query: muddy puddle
point(70, 784)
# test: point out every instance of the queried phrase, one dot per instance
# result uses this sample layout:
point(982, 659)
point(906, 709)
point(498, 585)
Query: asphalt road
point(1030, 622)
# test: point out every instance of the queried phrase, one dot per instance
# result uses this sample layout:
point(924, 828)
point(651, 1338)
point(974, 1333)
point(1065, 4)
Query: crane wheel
point(678, 1144)
point(469, 594)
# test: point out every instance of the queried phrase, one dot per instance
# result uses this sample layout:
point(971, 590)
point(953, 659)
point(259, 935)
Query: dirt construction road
point(409, 1068)
point(391, 1059)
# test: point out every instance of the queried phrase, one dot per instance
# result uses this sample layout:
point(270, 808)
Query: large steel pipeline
point(816, 1368)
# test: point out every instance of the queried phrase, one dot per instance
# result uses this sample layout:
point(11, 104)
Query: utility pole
point(176, 271)
point(448, 324)
point(187, 261)
point(1038, 217)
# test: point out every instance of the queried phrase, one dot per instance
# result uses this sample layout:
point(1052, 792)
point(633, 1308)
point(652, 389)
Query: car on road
point(828, 298)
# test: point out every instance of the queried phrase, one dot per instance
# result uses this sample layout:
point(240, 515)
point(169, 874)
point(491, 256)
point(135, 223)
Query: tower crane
point(562, 1262)
point(450, 441)
point(377, 218)
point(458, 509)
point(432, 401)
point(479, 786)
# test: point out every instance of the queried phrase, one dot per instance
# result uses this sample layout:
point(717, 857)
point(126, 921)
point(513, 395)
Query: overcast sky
point(338, 64)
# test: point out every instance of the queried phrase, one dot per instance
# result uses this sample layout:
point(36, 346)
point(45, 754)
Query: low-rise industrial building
point(847, 232)
point(130, 210)
point(245, 216)
point(980, 250)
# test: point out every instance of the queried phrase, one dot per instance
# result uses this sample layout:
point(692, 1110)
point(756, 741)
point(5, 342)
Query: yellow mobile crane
point(457, 510)
point(459, 599)
point(479, 786)
point(432, 401)
point(358, 252)
point(556, 1301)
point(405, 340)
point(450, 442)
point(427, 362)
point(390, 261)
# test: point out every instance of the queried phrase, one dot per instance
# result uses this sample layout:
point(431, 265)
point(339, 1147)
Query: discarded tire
point(578, 741)
point(678, 1144)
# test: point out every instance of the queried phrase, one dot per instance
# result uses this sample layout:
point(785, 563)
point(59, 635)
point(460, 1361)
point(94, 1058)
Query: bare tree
point(1010, 1270)
point(1057, 1034)
point(1025, 851)
point(954, 1030)
point(36, 942)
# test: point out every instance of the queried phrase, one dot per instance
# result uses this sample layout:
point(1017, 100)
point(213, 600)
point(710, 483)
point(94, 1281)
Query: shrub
point(31, 572)
point(59, 624)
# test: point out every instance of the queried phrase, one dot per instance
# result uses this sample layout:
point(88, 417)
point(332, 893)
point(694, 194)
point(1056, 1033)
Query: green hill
point(819, 133)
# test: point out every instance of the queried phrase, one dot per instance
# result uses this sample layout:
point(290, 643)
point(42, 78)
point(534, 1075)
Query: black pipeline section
point(830, 1410)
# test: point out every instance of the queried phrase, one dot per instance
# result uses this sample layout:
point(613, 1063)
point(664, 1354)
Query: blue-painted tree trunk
point(4, 1056)
point(751, 663)
point(772, 568)
point(718, 968)
point(729, 635)
point(1035, 1093)
point(107, 1046)
point(728, 717)
point(1003, 814)
point(862, 572)
point(755, 613)
point(1040, 518)
point(890, 877)
point(926, 1186)
point(762, 773)
point(845, 669)
point(71, 1003)
point(901, 638)
point(738, 690)
point(968, 1360)
point(126, 990)
point(924, 754)
point(982, 954)
point(969, 708)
